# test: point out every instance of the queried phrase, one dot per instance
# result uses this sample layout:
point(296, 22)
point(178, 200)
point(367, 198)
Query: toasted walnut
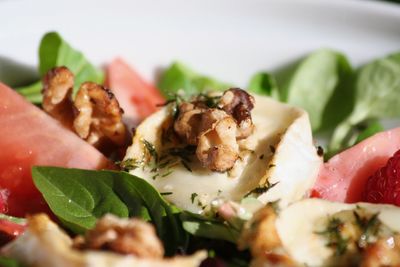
point(124, 236)
point(384, 252)
point(58, 84)
point(99, 116)
point(261, 237)
point(217, 148)
point(260, 233)
point(187, 124)
point(215, 129)
point(239, 104)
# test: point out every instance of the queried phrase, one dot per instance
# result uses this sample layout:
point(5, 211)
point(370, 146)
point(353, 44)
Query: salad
point(101, 168)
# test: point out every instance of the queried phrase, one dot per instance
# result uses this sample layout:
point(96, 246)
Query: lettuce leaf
point(179, 77)
point(55, 51)
point(318, 85)
point(264, 83)
point(377, 89)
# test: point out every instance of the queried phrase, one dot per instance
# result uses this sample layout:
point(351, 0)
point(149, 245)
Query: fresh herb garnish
point(193, 196)
point(151, 150)
point(128, 164)
point(333, 233)
point(166, 193)
point(369, 226)
point(261, 189)
point(209, 101)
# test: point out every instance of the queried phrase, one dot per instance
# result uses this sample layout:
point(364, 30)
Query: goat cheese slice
point(280, 152)
point(298, 227)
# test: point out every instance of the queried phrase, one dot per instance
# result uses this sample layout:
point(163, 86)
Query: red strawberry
point(384, 185)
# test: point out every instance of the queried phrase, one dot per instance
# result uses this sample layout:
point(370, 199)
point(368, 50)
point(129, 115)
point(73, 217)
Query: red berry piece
point(384, 185)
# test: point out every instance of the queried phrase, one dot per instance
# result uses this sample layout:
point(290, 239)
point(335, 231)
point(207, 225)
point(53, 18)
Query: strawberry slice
point(384, 185)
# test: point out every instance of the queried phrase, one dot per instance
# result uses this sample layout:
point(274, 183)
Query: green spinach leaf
point(55, 51)
point(264, 83)
point(78, 197)
point(315, 81)
point(179, 77)
point(377, 90)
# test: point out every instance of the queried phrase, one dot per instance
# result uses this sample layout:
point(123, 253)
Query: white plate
point(229, 39)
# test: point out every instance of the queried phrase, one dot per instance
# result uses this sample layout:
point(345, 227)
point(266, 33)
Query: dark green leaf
point(53, 52)
point(208, 228)
point(79, 197)
point(264, 84)
point(314, 83)
point(179, 77)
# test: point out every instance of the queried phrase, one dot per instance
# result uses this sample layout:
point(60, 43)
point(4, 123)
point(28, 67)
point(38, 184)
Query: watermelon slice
point(344, 176)
point(30, 137)
point(137, 97)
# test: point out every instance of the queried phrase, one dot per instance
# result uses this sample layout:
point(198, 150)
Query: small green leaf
point(208, 228)
point(179, 77)
point(316, 80)
point(32, 92)
point(79, 197)
point(264, 84)
point(54, 52)
point(377, 87)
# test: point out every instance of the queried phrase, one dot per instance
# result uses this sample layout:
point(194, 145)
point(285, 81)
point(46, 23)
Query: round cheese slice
point(280, 152)
point(298, 227)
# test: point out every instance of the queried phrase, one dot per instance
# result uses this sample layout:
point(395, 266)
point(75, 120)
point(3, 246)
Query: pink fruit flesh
point(29, 137)
point(137, 97)
point(344, 176)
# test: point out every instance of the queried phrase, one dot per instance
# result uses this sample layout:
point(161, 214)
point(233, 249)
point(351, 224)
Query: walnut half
point(95, 114)
point(215, 130)
point(123, 236)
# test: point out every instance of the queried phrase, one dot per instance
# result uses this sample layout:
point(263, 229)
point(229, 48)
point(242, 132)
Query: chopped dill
point(128, 164)
point(151, 149)
point(166, 193)
point(261, 189)
point(184, 163)
point(210, 101)
point(193, 197)
point(334, 236)
point(167, 173)
point(369, 226)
